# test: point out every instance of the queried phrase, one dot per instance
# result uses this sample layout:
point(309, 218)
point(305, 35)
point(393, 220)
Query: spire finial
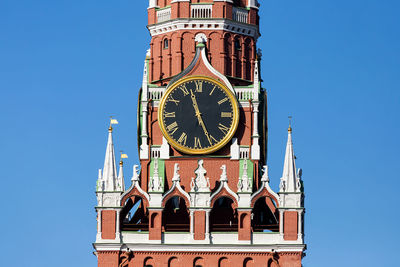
point(123, 156)
point(112, 121)
point(290, 124)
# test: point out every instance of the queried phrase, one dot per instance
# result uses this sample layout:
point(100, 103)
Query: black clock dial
point(198, 115)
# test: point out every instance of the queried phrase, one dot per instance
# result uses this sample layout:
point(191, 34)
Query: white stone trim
point(224, 184)
point(199, 24)
point(214, 71)
point(201, 247)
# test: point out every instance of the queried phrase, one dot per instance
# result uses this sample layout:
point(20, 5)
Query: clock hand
point(198, 115)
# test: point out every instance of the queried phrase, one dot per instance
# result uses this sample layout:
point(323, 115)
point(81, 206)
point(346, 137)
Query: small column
point(99, 224)
point(192, 223)
point(300, 225)
point(281, 223)
point(255, 147)
point(207, 223)
point(117, 226)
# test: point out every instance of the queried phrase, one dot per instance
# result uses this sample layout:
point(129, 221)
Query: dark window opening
point(264, 220)
point(134, 216)
point(175, 216)
point(237, 45)
point(223, 217)
point(166, 43)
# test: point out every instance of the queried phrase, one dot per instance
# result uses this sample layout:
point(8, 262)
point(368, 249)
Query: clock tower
point(201, 196)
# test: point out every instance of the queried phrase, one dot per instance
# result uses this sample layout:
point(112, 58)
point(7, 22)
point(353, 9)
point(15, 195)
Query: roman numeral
point(223, 128)
point(173, 100)
point(226, 114)
point(184, 90)
point(212, 91)
point(182, 139)
point(197, 143)
point(172, 127)
point(169, 114)
point(222, 100)
point(199, 86)
point(213, 139)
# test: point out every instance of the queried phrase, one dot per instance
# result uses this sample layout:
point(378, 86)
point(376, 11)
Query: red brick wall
point(216, 259)
point(290, 225)
point(155, 219)
point(108, 224)
point(199, 225)
point(108, 258)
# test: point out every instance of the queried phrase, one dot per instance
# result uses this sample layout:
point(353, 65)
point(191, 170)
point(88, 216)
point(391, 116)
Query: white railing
point(201, 11)
point(244, 152)
point(155, 93)
point(244, 94)
point(240, 15)
point(163, 15)
point(155, 152)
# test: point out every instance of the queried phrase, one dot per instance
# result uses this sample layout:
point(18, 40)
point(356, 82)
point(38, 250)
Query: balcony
point(201, 11)
point(163, 14)
point(240, 15)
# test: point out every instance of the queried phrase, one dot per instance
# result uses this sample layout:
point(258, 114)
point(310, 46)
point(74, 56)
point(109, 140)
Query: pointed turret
point(121, 182)
point(289, 178)
point(110, 169)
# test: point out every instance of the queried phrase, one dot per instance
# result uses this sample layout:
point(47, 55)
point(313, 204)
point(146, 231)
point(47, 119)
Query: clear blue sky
point(65, 66)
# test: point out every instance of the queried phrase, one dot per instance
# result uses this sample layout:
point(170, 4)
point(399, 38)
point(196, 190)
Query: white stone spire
point(121, 182)
point(110, 170)
point(289, 178)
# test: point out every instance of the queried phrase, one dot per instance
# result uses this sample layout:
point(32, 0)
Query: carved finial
point(290, 124)
point(200, 183)
point(176, 177)
point(224, 177)
point(265, 177)
point(200, 38)
point(135, 177)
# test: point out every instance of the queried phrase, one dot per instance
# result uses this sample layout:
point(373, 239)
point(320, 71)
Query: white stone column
point(117, 232)
point(300, 225)
point(255, 147)
point(99, 224)
point(207, 222)
point(144, 148)
point(281, 222)
point(192, 222)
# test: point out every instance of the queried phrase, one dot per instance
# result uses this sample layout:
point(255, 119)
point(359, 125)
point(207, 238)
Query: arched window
point(134, 215)
point(223, 217)
point(148, 262)
point(175, 216)
point(264, 220)
point(198, 262)
point(166, 43)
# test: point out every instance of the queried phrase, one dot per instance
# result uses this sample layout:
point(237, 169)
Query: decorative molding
point(204, 25)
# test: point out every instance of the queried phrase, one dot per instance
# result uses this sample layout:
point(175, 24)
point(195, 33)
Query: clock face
point(198, 115)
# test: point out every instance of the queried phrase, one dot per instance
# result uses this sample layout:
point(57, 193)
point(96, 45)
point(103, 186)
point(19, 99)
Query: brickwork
point(108, 224)
point(220, 259)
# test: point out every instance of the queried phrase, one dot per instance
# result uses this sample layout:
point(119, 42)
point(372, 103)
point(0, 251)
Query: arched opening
point(223, 262)
point(165, 43)
point(148, 262)
point(223, 216)
point(134, 215)
point(175, 216)
point(198, 262)
point(264, 220)
point(248, 262)
point(173, 262)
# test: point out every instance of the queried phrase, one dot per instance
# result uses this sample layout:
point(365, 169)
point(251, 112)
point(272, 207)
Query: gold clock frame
point(219, 145)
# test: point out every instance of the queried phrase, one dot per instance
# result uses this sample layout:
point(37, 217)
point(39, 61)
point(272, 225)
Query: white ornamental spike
point(135, 177)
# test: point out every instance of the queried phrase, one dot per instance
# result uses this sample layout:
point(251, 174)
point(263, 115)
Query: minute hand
point(198, 115)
